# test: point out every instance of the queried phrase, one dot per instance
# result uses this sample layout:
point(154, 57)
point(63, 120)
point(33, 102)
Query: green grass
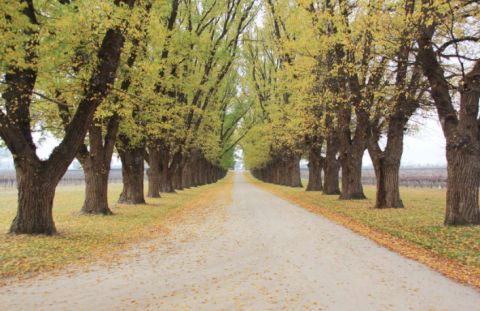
point(86, 238)
point(420, 222)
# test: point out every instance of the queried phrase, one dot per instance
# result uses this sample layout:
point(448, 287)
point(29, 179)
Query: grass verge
point(85, 239)
point(416, 231)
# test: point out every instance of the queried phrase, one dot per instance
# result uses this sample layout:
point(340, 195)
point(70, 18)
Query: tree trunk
point(296, 178)
point(96, 167)
point(36, 191)
point(315, 167)
point(187, 175)
point(177, 177)
point(204, 174)
point(154, 172)
point(463, 184)
point(132, 175)
point(280, 172)
point(182, 173)
point(96, 189)
point(176, 171)
point(332, 167)
point(167, 182)
point(388, 183)
point(195, 169)
point(387, 162)
point(352, 188)
point(331, 178)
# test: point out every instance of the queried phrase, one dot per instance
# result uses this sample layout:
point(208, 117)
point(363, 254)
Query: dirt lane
point(260, 253)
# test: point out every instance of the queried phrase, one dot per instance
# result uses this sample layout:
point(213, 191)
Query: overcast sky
point(425, 146)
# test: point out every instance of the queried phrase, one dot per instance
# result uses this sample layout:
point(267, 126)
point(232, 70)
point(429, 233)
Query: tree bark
point(187, 174)
point(331, 178)
point(332, 167)
point(154, 171)
point(177, 178)
point(167, 172)
point(195, 169)
point(185, 177)
point(352, 188)
point(132, 174)
point(387, 182)
point(462, 190)
point(96, 189)
point(35, 201)
point(175, 171)
point(315, 167)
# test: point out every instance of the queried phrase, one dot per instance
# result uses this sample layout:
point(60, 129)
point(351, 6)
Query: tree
point(274, 69)
point(391, 113)
point(96, 157)
point(439, 42)
point(207, 47)
point(36, 178)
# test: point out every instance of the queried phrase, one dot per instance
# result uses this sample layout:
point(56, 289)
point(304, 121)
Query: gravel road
point(257, 253)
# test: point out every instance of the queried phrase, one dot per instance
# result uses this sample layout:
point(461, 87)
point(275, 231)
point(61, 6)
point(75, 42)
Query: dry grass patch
point(84, 239)
point(417, 231)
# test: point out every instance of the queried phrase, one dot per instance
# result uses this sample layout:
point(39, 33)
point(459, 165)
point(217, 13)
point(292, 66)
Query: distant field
point(71, 178)
point(409, 177)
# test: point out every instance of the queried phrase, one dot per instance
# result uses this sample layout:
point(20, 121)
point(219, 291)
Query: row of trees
point(154, 81)
point(336, 78)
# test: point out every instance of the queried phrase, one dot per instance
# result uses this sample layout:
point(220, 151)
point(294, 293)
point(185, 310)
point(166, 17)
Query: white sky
point(425, 147)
